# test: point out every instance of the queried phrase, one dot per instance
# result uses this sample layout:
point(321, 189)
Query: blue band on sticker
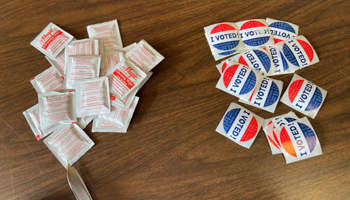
point(257, 41)
point(273, 95)
point(226, 45)
point(283, 26)
point(289, 55)
point(309, 136)
point(249, 84)
point(316, 100)
point(226, 53)
point(264, 59)
point(230, 118)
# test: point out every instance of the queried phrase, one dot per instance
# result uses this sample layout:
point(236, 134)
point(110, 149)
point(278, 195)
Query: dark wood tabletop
point(171, 149)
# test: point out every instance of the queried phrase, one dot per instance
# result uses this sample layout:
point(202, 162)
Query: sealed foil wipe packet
point(108, 32)
point(80, 68)
point(276, 122)
point(52, 40)
point(298, 140)
point(68, 143)
point(33, 119)
point(117, 120)
point(81, 47)
point(266, 94)
point(56, 109)
point(298, 52)
point(239, 80)
point(282, 30)
point(110, 60)
point(92, 97)
point(47, 81)
point(304, 96)
point(123, 78)
point(144, 56)
point(257, 59)
point(223, 39)
point(59, 63)
point(255, 33)
point(128, 99)
point(128, 48)
point(240, 125)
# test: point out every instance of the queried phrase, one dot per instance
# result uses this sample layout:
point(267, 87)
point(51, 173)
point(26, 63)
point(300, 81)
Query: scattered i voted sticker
point(304, 96)
point(224, 64)
point(223, 39)
point(239, 80)
point(240, 125)
point(282, 30)
point(278, 60)
point(266, 94)
point(299, 141)
point(257, 59)
point(255, 33)
point(298, 52)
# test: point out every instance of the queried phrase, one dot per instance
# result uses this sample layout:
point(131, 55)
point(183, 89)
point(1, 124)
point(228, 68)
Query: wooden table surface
point(171, 150)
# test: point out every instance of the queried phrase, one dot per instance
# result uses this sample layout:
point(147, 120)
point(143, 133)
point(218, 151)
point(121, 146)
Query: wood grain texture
point(171, 150)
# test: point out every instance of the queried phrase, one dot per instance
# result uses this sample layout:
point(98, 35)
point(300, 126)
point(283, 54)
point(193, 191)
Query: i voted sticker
point(255, 33)
point(240, 125)
point(239, 79)
point(298, 139)
point(282, 30)
point(278, 60)
point(257, 59)
point(298, 52)
point(224, 39)
point(304, 96)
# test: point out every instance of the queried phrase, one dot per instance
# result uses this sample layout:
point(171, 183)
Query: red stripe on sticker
point(251, 96)
point(251, 131)
point(252, 24)
point(221, 28)
point(242, 61)
point(123, 78)
point(223, 67)
point(287, 143)
point(276, 40)
point(307, 48)
point(273, 142)
point(229, 73)
point(294, 89)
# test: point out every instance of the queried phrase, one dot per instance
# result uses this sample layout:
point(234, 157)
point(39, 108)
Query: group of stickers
point(263, 48)
point(93, 79)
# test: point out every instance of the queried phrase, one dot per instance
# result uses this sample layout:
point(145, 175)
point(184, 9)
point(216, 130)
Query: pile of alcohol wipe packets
point(93, 79)
point(260, 49)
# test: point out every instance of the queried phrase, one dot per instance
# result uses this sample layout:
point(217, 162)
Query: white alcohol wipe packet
point(277, 122)
point(47, 81)
point(279, 61)
point(240, 125)
point(120, 115)
point(33, 119)
point(92, 97)
point(108, 32)
point(299, 141)
point(128, 99)
point(257, 59)
point(52, 40)
point(223, 39)
point(298, 52)
point(144, 56)
point(84, 121)
point(102, 125)
point(304, 96)
point(239, 80)
point(110, 60)
point(68, 143)
point(128, 48)
point(123, 78)
point(56, 109)
point(80, 68)
point(255, 33)
point(266, 94)
point(282, 30)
